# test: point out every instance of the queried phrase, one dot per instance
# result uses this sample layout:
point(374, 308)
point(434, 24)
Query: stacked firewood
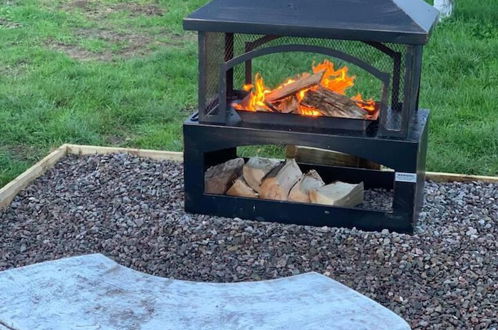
point(278, 180)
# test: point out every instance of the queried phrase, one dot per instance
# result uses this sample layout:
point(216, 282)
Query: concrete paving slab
point(94, 292)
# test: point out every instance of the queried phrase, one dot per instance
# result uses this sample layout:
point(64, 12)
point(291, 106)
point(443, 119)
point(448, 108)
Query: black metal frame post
point(413, 69)
point(201, 89)
point(206, 145)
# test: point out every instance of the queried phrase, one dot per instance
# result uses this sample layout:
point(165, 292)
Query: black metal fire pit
point(382, 38)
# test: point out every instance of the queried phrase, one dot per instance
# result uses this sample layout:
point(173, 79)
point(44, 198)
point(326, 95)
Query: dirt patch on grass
point(114, 37)
point(140, 9)
point(16, 69)
point(24, 152)
point(119, 44)
point(79, 53)
point(8, 24)
point(118, 140)
point(96, 9)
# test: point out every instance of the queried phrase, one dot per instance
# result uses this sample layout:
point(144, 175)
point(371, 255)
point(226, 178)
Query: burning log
point(317, 94)
point(277, 184)
point(338, 194)
point(307, 182)
point(240, 188)
point(287, 105)
point(256, 169)
point(332, 104)
point(219, 178)
point(304, 82)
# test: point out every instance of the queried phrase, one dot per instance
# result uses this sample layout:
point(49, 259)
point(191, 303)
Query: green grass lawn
point(124, 73)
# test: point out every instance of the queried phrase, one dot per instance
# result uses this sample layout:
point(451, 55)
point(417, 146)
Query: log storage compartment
point(331, 74)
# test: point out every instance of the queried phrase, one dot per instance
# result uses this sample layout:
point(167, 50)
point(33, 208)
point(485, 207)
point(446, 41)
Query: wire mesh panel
point(211, 57)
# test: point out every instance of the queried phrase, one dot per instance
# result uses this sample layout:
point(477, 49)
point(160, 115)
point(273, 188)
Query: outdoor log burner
point(333, 74)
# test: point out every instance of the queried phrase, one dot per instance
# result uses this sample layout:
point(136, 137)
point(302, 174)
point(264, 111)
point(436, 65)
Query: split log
point(287, 105)
point(219, 178)
point(307, 182)
point(319, 156)
point(304, 82)
point(277, 184)
point(338, 194)
point(332, 104)
point(240, 188)
point(256, 169)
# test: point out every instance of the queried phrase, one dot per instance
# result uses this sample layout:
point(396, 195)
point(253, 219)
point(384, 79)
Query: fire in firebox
point(321, 93)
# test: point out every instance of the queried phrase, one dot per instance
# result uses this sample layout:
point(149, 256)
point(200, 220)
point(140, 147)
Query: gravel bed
point(131, 209)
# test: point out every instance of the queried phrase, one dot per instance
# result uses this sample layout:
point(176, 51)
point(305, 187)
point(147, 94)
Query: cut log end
point(240, 188)
point(338, 194)
point(278, 183)
point(219, 178)
point(307, 182)
point(256, 169)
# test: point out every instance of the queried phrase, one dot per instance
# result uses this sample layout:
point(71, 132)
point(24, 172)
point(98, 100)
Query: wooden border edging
point(76, 149)
point(9, 191)
point(448, 177)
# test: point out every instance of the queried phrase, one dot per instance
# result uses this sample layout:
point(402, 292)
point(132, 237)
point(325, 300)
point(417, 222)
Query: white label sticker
point(406, 177)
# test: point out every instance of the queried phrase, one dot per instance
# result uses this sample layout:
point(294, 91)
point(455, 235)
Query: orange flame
point(368, 105)
point(307, 111)
point(337, 81)
point(257, 96)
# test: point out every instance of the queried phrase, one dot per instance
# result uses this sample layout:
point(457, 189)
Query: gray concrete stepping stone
point(94, 292)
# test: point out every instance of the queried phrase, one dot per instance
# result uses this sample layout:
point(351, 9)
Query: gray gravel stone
point(131, 209)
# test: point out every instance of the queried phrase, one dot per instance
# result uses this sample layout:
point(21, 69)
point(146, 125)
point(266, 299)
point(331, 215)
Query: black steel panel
point(276, 119)
point(298, 213)
point(371, 20)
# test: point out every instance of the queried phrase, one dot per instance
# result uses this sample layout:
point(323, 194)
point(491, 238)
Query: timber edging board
point(449, 177)
point(11, 189)
point(76, 149)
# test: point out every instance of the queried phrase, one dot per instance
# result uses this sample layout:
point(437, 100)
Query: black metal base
point(207, 144)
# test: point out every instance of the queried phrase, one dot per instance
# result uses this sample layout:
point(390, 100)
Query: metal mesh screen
point(214, 57)
point(276, 67)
